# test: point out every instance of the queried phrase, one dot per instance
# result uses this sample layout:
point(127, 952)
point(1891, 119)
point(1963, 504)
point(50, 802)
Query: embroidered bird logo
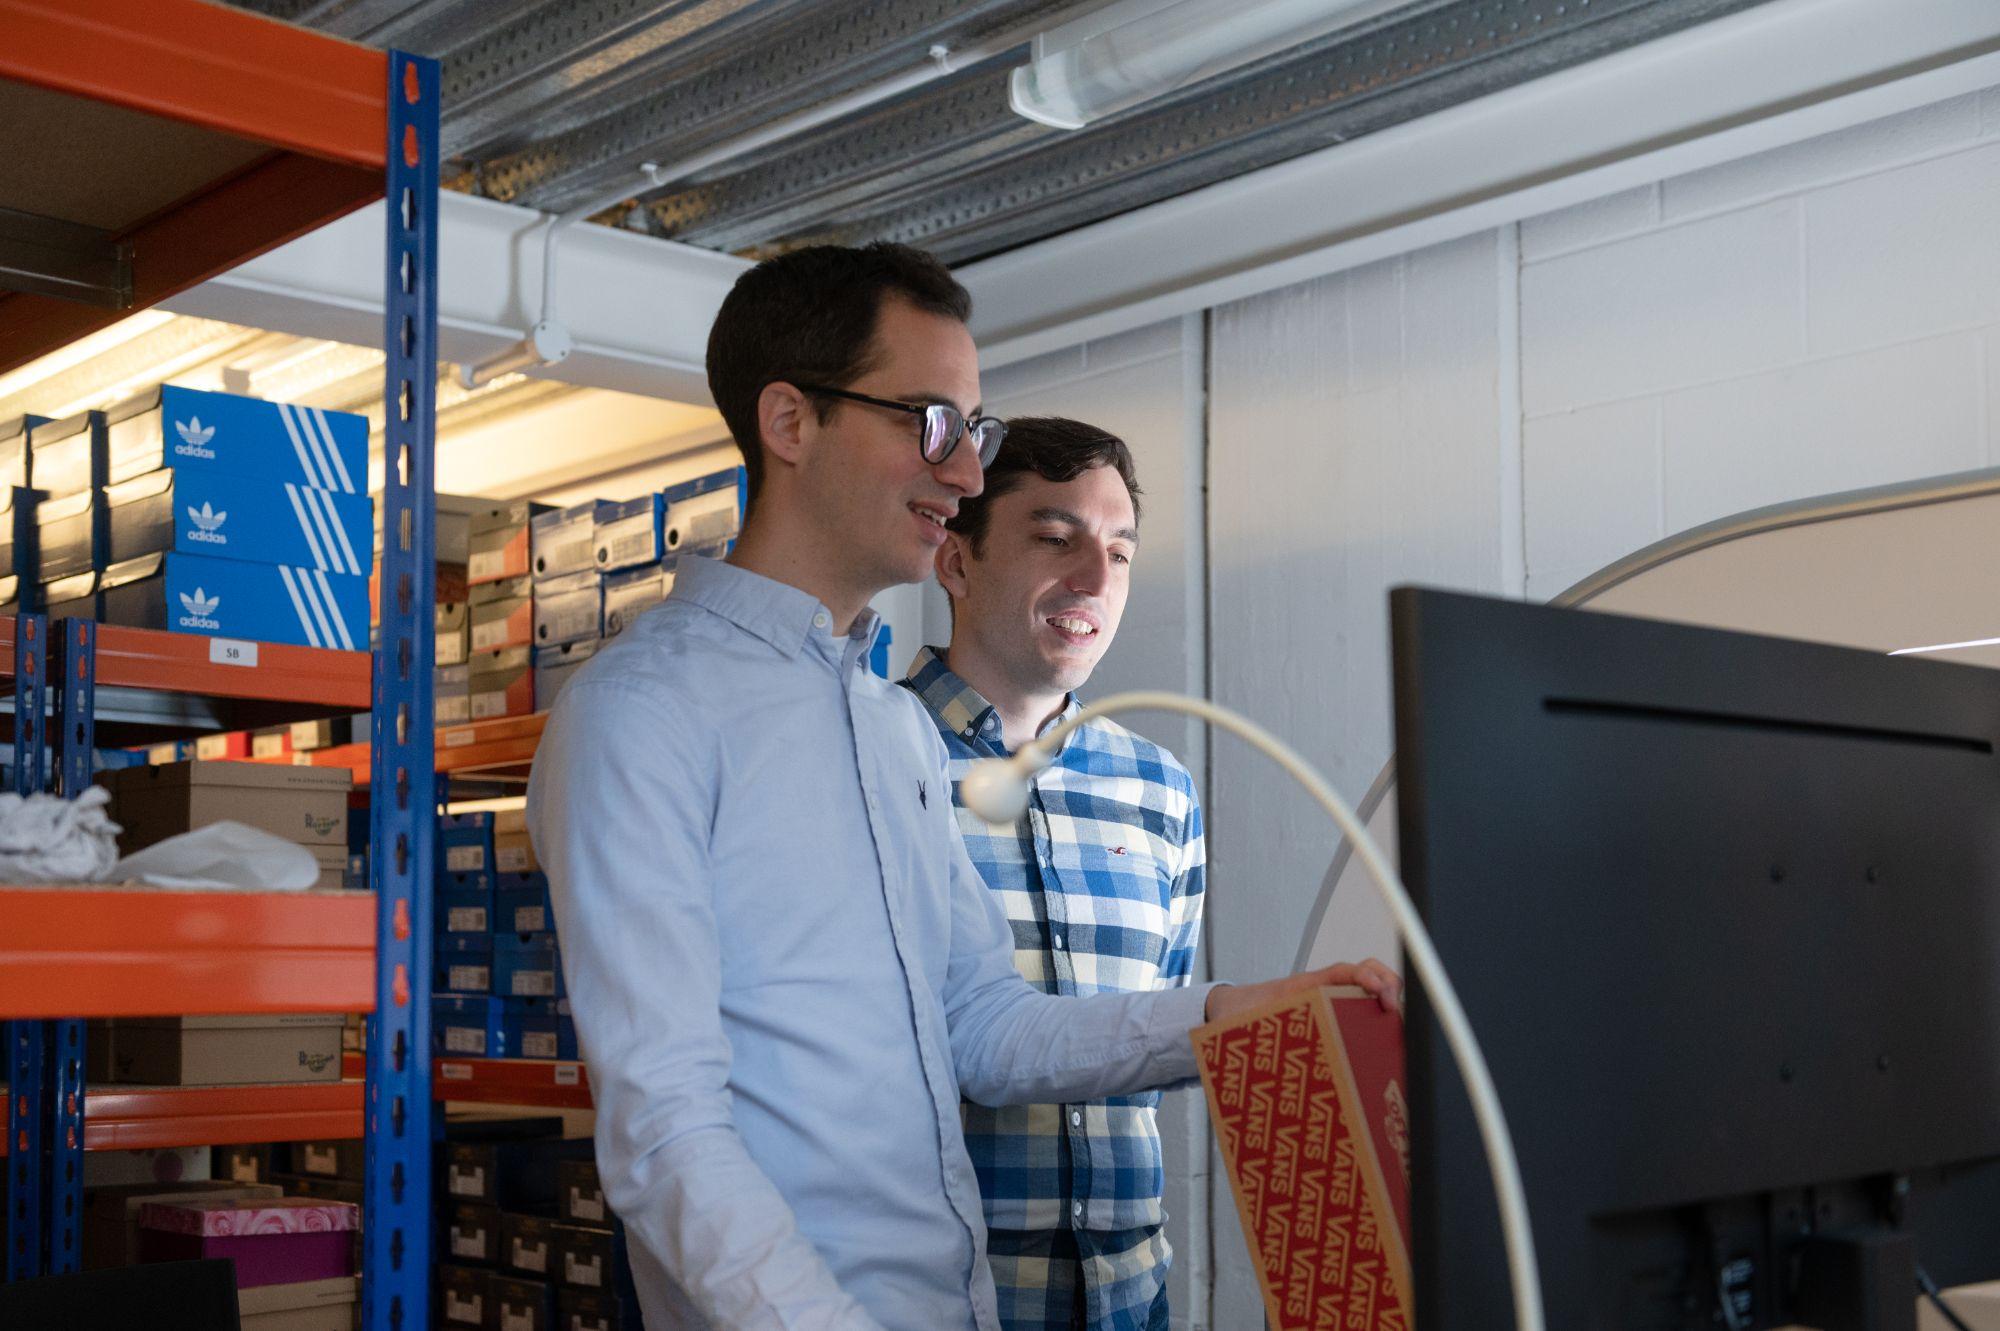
point(923, 795)
point(205, 517)
point(194, 432)
point(200, 605)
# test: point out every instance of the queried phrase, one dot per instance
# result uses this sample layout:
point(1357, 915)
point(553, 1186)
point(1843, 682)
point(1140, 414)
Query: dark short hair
point(809, 317)
point(1053, 448)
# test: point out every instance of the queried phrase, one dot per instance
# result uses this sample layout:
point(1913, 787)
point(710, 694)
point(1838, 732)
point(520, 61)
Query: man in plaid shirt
point(1101, 879)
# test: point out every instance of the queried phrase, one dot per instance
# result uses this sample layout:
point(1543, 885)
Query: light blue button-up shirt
point(785, 972)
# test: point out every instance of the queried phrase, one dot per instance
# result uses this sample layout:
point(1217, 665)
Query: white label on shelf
point(513, 859)
point(455, 1071)
point(468, 1243)
point(231, 651)
point(569, 1074)
point(470, 1311)
point(538, 1044)
point(534, 1258)
point(585, 1206)
point(464, 1040)
point(530, 920)
point(458, 739)
point(534, 984)
point(581, 1273)
point(468, 1182)
point(302, 760)
point(465, 920)
point(465, 859)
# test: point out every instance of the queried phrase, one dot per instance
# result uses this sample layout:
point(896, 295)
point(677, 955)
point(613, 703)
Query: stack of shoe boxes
point(451, 686)
point(499, 973)
point(568, 591)
point(499, 1222)
point(67, 460)
point(699, 517)
point(500, 613)
point(234, 517)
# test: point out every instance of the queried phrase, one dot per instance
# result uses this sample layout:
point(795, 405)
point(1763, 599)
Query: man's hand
point(1387, 986)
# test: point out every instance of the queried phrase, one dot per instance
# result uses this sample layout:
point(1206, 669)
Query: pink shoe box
point(273, 1241)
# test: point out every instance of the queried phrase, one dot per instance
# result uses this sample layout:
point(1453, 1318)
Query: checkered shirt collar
point(959, 708)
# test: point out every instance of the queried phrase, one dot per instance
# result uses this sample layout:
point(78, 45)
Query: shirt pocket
point(1116, 899)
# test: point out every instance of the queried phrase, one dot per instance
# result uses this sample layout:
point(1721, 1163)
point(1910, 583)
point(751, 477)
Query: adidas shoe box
point(190, 429)
point(527, 966)
point(305, 805)
point(630, 594)
point(629, 534)
point(554, 666)
point(568, 609)
point(468, 1026)
point(67, 457)
point(503, 683)
point(497, 542)
point(521, 904)
point(231, 517)
point(538, 1028)
point(232, 598)
point(703, 512)
point(465, 843)
point(464, 903)
point(462, 963)
point(562, 540)
point(451, 695)
point(503, 615)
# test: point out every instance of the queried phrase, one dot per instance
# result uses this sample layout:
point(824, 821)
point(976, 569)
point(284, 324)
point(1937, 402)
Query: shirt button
point(968, 732)
point(1075, 1119)
point(1076, 1210)
point(819, 621)
point(1058, 940)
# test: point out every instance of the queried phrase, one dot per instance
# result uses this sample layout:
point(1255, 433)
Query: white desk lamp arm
point(996, 789)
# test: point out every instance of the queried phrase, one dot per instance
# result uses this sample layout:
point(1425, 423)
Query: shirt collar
point(958, 706)
point(777, 612)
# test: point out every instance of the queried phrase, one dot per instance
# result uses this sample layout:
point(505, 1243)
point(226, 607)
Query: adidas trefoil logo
point(194, 439)
point(200, 609)
point(206, 521)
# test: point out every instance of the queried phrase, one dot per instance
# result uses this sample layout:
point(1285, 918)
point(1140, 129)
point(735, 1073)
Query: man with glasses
point(784, 969)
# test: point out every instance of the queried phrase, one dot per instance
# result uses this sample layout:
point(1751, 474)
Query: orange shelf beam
point(503, 747)
point(208, 65)
point(147, 952)
point(151, 1118)
point(185, 663)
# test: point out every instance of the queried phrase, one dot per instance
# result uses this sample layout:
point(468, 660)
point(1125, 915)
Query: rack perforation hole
point(412, 88)
point(412, 153)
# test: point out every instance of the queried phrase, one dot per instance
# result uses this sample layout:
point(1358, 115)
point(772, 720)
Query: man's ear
point(951, 560)
point(784, 416)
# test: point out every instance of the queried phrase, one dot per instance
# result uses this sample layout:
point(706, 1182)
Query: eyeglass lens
point(943, 426)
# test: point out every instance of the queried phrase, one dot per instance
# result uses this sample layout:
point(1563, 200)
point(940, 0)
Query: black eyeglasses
point(942, 425)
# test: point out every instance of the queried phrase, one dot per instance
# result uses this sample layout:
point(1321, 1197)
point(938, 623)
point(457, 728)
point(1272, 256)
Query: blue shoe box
point(230, 517)
point(231, 598)
point(703, 512)
point(629, 534)
point(189, 429)
point(521, 904)
point(555, 665)
point(568, 609)
point(527, 966)
point(465, 843)
point(538, 1028)
point(465, 906)
point(630, 594)
point(470, 1026)
point(560, 542)
point(462, 963)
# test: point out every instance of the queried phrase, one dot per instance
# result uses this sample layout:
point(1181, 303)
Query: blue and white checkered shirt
point(1102, 880)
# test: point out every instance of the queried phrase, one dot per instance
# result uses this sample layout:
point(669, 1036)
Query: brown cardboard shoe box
point(304, 805)
point(502, 614)
point(216, 1051)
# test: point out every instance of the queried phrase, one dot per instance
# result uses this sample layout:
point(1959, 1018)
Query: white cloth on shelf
point(223, 854)
point(48, 839)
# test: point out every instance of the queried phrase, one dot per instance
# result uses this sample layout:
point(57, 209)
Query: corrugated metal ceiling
point(550, 103)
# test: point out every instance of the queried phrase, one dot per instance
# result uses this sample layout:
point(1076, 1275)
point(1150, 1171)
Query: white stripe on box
point(306, 524)
point(298, 606)
point(333, 609)
point(333, 521)
point(311, 594)
point(332, 448)
point(304, 419)
point(298, 444)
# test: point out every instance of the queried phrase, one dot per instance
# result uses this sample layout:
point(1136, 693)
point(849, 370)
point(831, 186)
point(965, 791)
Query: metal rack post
point(403, 807)
point(76, 749)
point(27, 1217)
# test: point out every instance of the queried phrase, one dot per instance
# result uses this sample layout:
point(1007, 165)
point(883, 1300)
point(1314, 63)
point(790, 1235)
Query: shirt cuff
point(1176, 1013)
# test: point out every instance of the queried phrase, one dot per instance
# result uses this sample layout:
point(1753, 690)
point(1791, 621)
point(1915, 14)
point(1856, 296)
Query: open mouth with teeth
point(935, 518)
point(1071, 628)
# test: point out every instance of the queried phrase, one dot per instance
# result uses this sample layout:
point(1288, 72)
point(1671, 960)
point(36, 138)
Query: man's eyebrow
point(1063, 515)
point(942, 400)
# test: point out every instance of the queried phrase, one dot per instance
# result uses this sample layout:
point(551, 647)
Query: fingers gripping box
point(1307, 1100)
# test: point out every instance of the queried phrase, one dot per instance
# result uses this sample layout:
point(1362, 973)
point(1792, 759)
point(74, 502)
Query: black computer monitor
point(1724, 912)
